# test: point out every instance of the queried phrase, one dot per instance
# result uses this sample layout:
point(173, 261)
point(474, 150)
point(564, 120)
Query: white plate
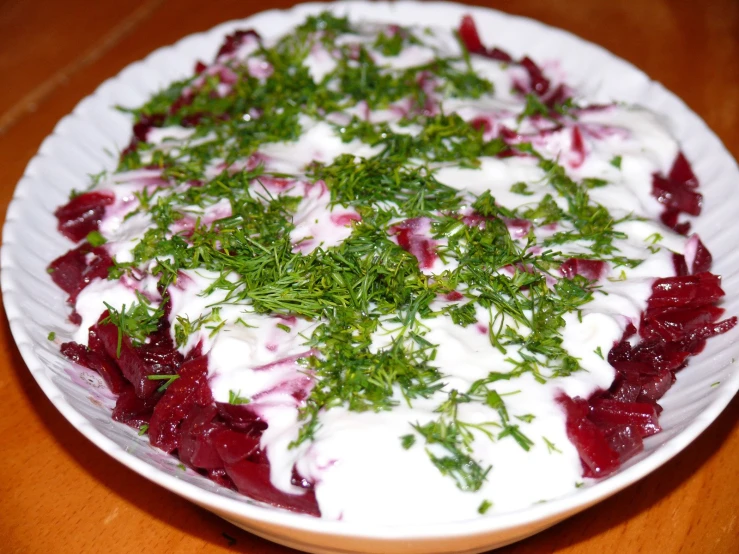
point(78, 147)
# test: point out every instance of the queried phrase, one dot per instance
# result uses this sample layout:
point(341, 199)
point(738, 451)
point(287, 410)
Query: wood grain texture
point(59, 493)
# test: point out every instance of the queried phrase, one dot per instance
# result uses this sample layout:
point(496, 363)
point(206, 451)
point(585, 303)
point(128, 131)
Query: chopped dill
point(368, 283)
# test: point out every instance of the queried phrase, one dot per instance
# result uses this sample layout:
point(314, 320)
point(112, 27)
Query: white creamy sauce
point(498, 174)
point(318, 142)
point(356, 461)
point(319, 224)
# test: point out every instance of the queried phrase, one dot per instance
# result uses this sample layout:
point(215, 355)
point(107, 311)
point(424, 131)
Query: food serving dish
point(77, 143)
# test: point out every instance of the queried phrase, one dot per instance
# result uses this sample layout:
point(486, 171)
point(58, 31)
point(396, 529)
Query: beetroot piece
point(641, 416)
point(672, 324)
point(559, 96)
point(469, 35)
point(590, 269)
point(196, 446)
point(158, 356)
point(159, 352)
point(539, 83)
point(511, 138)
point(233, 446)
point(141, 130)
point(626, 388)
point(654, 387)
point(253, 480)
point(691, 290)
point(82, 214)
point(676, 196)
point(184, 100)
point(496, 53)
point(681, 267)
point(681, 172)
point(625, 441)
point(220, 477)
point(132, 365)
point(471, 40)
point(669, 218)
point(578, 147)
point(232, 42)
point(132, 410)
point(681, 314)
point(598, 457)
point(242, 418)
point(411, 239)
point(702, 259)
point(182, 394)
point(145, 124)
point(677, 193)
point(100, 363)
point(76, 269)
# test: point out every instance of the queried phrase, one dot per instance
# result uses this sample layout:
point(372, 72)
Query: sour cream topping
point(356, 460)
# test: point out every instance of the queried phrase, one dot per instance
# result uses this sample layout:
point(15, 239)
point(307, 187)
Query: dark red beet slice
point(557, 97)
point(702, 260)
point(625, 389)
point(661, 355)
point(76, 269)
point(133, 367)
point(184, 100)
point(471, 40)
point(220, 477)
point(625, 441)
point(627, 367)
point(412, 240)
point(145, 124)
point(253, 480)
point(677, 193)
point(653, 388)
point(160, 354)
point(681, 267)
point(691, 290)
point(233, 446)
point(682, 173)
point(103, 365)
point(539, 83)
point(482, 123)
point(189, 389)
point(132, 410)
point(196, 445)
point(469, 35)
point(598, 458)
point(641, 416)
point(676, 196)
point(578, 147)
point(496, 53)
point(590, 269)
point(241, 417)
point(234, 40)
point(82, 214)
point(669, 218)
point(672, 324)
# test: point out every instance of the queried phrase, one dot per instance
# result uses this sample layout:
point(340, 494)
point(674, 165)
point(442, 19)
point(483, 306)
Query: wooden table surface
point(59, 493)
